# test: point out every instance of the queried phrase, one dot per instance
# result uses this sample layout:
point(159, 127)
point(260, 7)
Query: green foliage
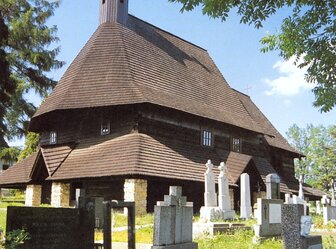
point(318, 145)
point(31, 145)
point(307, 34)
point(25, 57)
point(16, 238)
point(9, 154)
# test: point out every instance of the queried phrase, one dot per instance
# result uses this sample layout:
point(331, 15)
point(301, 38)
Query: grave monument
point(296, 228)
point(173, 222)
point(210, 211)
point(224, 199)
point(269, 210)
point(245, 197)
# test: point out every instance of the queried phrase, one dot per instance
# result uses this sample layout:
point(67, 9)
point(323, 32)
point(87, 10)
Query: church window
point(207, 138)
point(53, 137)
point(236, 145)
point(105, 127)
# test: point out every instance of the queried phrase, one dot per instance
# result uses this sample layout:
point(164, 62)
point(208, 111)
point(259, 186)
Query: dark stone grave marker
point(53, 228)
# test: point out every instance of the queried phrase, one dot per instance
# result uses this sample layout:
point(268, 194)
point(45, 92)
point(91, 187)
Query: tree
point(307, 34)
point(318, 146)
point(25, 58)
point(31, 145)
point(9, 154)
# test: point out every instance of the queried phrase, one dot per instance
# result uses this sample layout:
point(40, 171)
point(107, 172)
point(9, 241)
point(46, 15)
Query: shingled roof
point(276, 139)
point(140, 63)
point(20, 172)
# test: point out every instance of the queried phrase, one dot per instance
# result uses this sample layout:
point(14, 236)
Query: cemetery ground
point(239, 240)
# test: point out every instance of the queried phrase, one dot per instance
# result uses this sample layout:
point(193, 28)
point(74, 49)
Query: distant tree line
point(318, 147)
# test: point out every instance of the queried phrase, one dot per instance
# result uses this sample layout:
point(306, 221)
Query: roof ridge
point(180, 38)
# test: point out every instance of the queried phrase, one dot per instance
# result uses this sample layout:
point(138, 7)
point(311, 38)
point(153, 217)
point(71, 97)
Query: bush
point(15, 238)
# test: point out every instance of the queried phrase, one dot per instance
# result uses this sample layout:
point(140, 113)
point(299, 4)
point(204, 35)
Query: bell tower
point(113, 11)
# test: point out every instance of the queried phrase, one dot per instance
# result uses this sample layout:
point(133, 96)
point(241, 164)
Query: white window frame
point(207, 138)
point(53, 137)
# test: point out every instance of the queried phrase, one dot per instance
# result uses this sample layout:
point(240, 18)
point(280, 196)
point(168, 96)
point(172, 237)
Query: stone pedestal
point(245, 197)
point(60, 194)
point(268, 218)
point(135, 190)
point(190, 245)
point(33, 195)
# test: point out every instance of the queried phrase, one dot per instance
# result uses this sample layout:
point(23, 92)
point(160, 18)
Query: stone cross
point(223, 188)
point(210, 197)
point(173, 221)
point(245, 197)
point(224, 194)
point(272, 186)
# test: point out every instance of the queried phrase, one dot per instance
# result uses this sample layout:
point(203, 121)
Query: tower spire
point(113, 11)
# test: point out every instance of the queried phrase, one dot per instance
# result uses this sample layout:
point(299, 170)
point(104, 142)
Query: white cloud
point(290, 82)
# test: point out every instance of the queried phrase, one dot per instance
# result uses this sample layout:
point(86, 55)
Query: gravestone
point(224, 199)
point(245, 197)
point(54, 227)
point(288, 199)
point(318, 207)
point(301, 194)
point(210, 211)
point(269, 218)
point(173, 222)
point(295, 228)
point(298, 200)
point(329, 213)
point(210, 197)
point(272, 186)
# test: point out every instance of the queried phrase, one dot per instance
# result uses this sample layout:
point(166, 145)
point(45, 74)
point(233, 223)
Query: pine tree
point(25, 58)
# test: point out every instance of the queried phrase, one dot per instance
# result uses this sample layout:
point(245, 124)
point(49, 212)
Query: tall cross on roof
point(247, 88)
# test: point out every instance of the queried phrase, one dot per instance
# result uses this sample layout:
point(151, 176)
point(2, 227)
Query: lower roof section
point(138, 154)
point(19, 174)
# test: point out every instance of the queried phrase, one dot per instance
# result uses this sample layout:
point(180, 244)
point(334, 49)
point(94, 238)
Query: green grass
point(3, 219)
point(239, 240)
point(120, 220)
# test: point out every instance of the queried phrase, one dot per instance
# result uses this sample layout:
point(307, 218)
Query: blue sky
point(277, 87)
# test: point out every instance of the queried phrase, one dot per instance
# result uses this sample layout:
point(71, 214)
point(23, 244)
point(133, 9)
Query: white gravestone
point(298, 200)
point(210, 211)
point(318, 207)
point(224, 199)
point(301, 195)
point(210, 197)
point(288, 199)
point(245, 197)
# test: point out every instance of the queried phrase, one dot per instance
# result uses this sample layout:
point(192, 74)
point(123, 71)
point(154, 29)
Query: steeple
point(113, 11)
